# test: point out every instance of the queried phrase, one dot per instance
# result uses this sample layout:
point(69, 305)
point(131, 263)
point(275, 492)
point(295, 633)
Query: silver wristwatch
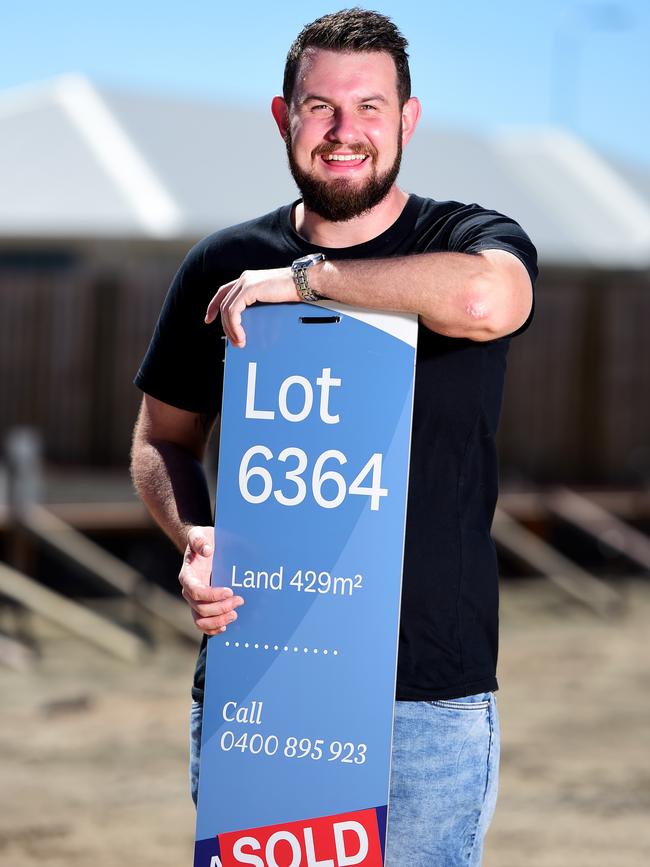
point(299, 273)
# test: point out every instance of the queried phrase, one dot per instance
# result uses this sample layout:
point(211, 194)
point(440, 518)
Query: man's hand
point(213, 608)
point(274, 285)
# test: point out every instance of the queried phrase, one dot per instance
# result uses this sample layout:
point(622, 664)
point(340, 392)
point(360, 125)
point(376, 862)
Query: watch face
point(307, 260)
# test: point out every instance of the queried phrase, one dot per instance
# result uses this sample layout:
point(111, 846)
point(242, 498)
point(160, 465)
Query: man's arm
point(479, 296)
point(168, 447)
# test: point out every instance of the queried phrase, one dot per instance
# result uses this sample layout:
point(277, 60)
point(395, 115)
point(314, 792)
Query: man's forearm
point(457, 294)
point(479, 296)
point(172, 484)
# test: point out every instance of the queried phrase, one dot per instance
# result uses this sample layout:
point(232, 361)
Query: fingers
point(213, 608)
point(233, 305)
point(231, 316)
point(230, 301)
point(213, 625)
point(272, 285)
point(221, 608)
point(213, 307)
point(198, 593)
point(212, 619)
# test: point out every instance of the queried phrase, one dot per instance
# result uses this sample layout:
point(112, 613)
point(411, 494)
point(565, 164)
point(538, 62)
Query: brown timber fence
point(576, 407)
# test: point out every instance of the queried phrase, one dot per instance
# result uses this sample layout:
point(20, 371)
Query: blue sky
point(476, 64)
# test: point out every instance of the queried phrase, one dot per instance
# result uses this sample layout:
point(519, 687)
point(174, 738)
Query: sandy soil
point(93, 752)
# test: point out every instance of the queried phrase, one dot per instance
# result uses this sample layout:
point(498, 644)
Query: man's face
point(344, 132)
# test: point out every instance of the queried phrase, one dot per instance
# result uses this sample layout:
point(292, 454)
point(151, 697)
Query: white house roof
point(77, 160)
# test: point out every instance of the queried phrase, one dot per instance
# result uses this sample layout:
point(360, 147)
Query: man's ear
point(411, 112)
point(280, 112)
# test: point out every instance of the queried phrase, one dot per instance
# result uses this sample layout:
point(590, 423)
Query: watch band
point(299, 273)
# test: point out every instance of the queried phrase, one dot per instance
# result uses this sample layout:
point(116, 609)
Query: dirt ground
point(93, 752)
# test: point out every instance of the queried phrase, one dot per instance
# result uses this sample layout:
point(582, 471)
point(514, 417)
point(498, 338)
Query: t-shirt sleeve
point(476, 229)
point(183, 365)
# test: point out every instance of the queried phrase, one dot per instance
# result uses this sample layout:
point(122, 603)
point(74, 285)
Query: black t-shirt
point(449, 615)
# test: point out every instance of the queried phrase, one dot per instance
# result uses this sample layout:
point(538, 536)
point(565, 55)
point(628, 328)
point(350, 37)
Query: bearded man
point(355, 237)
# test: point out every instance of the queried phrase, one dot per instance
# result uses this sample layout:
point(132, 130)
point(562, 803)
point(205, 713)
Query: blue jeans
point(444, 779)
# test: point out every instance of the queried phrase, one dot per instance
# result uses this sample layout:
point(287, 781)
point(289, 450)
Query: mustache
point(324, 150)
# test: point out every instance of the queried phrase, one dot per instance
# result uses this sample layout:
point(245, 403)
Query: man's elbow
point(494, 308)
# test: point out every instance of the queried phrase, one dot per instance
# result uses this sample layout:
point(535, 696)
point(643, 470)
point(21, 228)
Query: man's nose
point(344, 127)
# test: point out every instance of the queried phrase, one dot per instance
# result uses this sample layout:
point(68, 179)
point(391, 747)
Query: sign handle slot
point(319, 320)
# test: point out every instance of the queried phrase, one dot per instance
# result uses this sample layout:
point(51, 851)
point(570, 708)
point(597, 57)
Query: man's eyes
point(323, 107)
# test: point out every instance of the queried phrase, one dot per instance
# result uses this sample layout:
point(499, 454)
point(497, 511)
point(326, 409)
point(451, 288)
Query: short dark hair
point(351, 30)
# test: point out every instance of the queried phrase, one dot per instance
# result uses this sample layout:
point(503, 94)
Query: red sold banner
point(346, 840)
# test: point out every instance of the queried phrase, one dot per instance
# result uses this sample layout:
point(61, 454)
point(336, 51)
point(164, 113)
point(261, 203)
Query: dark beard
point(340, 200)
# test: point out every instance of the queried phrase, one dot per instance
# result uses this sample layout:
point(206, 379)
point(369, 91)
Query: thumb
point(199, 541)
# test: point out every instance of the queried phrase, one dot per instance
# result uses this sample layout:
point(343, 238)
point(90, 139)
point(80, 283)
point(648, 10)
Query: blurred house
point(103, 191)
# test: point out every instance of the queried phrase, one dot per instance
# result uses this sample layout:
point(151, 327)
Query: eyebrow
point(315, 97)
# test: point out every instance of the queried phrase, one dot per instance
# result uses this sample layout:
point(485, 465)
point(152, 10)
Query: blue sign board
point(311, 506)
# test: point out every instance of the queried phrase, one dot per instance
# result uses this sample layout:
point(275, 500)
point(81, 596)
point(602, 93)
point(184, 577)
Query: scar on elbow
point(477, 311)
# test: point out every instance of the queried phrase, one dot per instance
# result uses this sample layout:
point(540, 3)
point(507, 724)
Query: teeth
point(345, 157)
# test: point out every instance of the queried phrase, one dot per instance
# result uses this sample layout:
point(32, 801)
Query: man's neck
point(365, 227)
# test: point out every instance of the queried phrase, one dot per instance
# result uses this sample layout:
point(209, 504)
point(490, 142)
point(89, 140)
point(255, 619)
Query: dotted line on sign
point(279, 648)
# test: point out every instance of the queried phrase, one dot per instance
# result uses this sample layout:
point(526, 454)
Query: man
point(345, 114)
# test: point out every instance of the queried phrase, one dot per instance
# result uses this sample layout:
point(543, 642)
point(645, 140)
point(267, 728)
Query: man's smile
point(339, 162)
point(346, 157)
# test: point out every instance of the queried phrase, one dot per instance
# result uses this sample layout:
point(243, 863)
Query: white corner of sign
point(402, 326)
